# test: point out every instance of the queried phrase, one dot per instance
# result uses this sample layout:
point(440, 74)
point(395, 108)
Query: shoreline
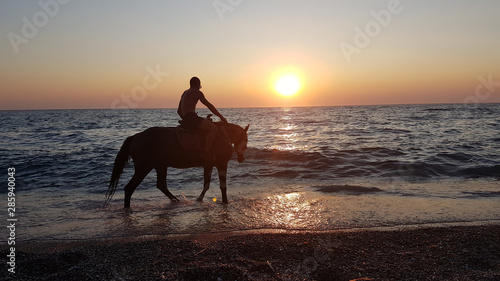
point(429, 252)
point(35, 246)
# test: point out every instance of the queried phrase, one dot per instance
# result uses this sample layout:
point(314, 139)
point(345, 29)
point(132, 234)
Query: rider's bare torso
point(189, 99)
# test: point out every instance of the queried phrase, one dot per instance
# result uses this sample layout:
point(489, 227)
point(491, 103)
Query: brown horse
point(158, 148)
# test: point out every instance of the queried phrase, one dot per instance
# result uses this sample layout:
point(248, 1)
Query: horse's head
point(238, 136)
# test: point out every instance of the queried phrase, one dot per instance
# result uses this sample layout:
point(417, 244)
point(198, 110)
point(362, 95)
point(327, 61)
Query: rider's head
point(195, 82)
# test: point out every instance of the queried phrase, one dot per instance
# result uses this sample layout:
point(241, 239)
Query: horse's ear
point(246, 129)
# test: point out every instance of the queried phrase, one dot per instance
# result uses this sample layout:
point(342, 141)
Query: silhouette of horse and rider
point(197, 142)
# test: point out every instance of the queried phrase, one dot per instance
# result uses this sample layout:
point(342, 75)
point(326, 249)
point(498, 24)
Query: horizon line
point(250, 107)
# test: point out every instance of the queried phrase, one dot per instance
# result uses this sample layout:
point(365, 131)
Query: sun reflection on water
point(289, 211)
point(288, 136)
point(288, 127)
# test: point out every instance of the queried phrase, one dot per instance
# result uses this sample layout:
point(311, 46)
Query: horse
point(158, 148)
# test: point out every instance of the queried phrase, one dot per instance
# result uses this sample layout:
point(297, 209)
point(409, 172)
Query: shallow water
point(318, 168)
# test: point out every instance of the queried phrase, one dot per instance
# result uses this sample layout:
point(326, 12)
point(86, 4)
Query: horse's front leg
point(222, 180)
point(207, 176)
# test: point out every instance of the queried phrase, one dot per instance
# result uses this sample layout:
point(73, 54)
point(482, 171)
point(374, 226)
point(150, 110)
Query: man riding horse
point(187, 111)
point(159, 148)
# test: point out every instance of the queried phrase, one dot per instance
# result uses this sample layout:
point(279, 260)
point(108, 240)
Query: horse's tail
point(120, 161)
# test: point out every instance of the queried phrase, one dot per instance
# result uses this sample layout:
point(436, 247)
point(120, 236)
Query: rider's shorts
point(192, 120)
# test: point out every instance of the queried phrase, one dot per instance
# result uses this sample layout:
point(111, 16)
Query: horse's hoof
point(199, 199)
point(174, 200)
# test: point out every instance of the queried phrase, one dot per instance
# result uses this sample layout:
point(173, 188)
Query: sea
point(306, 169)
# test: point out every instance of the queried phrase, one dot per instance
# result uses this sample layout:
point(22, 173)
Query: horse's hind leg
point(138, 177)
point(161, 183)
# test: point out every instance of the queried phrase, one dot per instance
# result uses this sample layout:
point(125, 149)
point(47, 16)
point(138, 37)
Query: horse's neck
point(227, 131)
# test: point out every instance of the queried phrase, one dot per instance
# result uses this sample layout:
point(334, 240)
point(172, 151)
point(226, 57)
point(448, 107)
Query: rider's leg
point(211, 130)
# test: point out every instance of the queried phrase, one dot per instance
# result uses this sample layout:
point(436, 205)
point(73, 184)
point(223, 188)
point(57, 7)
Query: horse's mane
point(232, 131)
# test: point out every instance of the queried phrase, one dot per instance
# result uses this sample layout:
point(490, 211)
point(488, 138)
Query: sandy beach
point(423, 253)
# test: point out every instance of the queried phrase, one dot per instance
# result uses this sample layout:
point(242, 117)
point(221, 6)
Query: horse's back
point(153, 141)
point(158, 146)
point(155, 134)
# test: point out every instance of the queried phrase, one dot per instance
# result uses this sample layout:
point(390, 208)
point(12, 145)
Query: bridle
point(241, 138)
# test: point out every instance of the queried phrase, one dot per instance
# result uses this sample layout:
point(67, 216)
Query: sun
point(287, 84)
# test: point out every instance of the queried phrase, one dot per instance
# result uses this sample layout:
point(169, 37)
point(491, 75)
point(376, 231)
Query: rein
point(221, 132)
point(221, 128)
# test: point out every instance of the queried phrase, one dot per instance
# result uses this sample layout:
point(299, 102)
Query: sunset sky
point(141, 54)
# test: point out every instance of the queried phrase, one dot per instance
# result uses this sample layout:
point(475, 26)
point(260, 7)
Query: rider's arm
point(179, 109)
point(211, 107)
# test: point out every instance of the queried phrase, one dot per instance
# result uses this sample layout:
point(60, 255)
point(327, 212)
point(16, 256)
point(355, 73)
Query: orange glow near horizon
point(287, 78)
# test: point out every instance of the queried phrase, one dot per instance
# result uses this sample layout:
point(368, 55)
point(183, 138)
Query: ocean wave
point(482, 171)
point(366, 162)
point(458, 156)
point(481, 194)
point(349, 189)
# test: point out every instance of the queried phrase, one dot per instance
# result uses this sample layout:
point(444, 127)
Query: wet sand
point(424, 253)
